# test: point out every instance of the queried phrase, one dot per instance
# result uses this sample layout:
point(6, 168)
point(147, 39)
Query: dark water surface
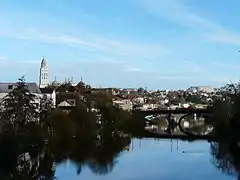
point(150, 159)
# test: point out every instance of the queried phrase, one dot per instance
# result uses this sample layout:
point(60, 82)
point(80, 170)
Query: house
point(150, 106)
point(111, 91)
point(124, 104)
point(64, 104)
point(198, 89)
point(49, 93)
point(129, 91)
point(72, 98)
point(139, 100)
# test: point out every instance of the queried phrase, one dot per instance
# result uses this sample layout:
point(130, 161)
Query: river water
point(154, 159)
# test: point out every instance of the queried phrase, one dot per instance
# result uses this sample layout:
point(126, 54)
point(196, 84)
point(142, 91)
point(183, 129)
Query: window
point(10, 87)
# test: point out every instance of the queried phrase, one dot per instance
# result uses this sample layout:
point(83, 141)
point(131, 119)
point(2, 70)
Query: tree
point(18, 106)
point(46, 106)
point(84, 120)
point(140, 90)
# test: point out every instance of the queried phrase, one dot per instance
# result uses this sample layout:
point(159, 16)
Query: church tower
point(43, 78)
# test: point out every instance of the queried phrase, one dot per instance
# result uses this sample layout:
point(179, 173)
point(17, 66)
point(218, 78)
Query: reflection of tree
point(101, 168)
point(39, 162)
point(221, 157)
point(104, 157)
point(225, 120)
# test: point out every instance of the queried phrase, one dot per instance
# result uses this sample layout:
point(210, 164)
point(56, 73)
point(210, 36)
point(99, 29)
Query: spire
point(43, 63)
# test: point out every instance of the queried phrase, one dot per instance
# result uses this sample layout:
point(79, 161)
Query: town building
point(201, 89)
point(124, 104)
point(49, 93)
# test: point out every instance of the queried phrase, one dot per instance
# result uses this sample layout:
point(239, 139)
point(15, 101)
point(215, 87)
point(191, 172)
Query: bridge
point(175, 120)
point(172, 111)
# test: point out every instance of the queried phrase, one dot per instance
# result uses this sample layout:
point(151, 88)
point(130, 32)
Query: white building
point(202, 89)
point(50, 93)
point(43, 77)
point(149, 107)
point(139, 100)
point(124, 104)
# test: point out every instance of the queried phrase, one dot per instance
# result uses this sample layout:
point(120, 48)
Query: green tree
point(19, 105)
point(84, 120)
point(46, 106)
point(140, 90)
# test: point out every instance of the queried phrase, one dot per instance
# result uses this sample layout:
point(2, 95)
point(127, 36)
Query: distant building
point(150, 106)
point(127, 91)
point(192, 90)
point(124, 104)
point(203, 89)
point(43, 77)
point(50, 93)
point(103, 90)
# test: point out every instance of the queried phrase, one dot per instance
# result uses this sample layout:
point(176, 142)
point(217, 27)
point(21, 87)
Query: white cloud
point(96, 43)
point(179, 12)
point(8, 62)
point(225, 37)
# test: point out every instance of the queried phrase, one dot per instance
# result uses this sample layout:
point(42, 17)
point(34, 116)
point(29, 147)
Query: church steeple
point(43, 63)
point(43, 78)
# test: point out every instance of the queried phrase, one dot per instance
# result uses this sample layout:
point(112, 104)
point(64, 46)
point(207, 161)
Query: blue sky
point(161, 44)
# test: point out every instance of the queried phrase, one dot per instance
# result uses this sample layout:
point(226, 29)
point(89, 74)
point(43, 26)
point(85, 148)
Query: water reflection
point(149, 159)
point(179, 125)
point(122, 158)
point(118, 156)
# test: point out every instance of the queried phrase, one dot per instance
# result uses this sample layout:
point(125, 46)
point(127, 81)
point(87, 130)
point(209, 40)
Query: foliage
point(84, 119)
point(46, 106)
point(140, 90)
point(226, 111)
point(225, 119)
point(18, 106)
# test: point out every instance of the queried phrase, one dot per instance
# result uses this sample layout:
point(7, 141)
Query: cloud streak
point(180, 13)
point(94, 43)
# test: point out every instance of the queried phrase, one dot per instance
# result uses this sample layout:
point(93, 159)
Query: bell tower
point(43, 78)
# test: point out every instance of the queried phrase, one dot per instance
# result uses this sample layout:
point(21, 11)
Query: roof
point(43, 63)
point(47, 90)
point(6, 87)
point(64, 104)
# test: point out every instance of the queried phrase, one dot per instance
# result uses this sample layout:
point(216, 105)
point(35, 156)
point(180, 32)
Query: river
point(153, 159)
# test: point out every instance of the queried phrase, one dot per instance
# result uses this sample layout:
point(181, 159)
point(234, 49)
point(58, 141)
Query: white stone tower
point(43, 78)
